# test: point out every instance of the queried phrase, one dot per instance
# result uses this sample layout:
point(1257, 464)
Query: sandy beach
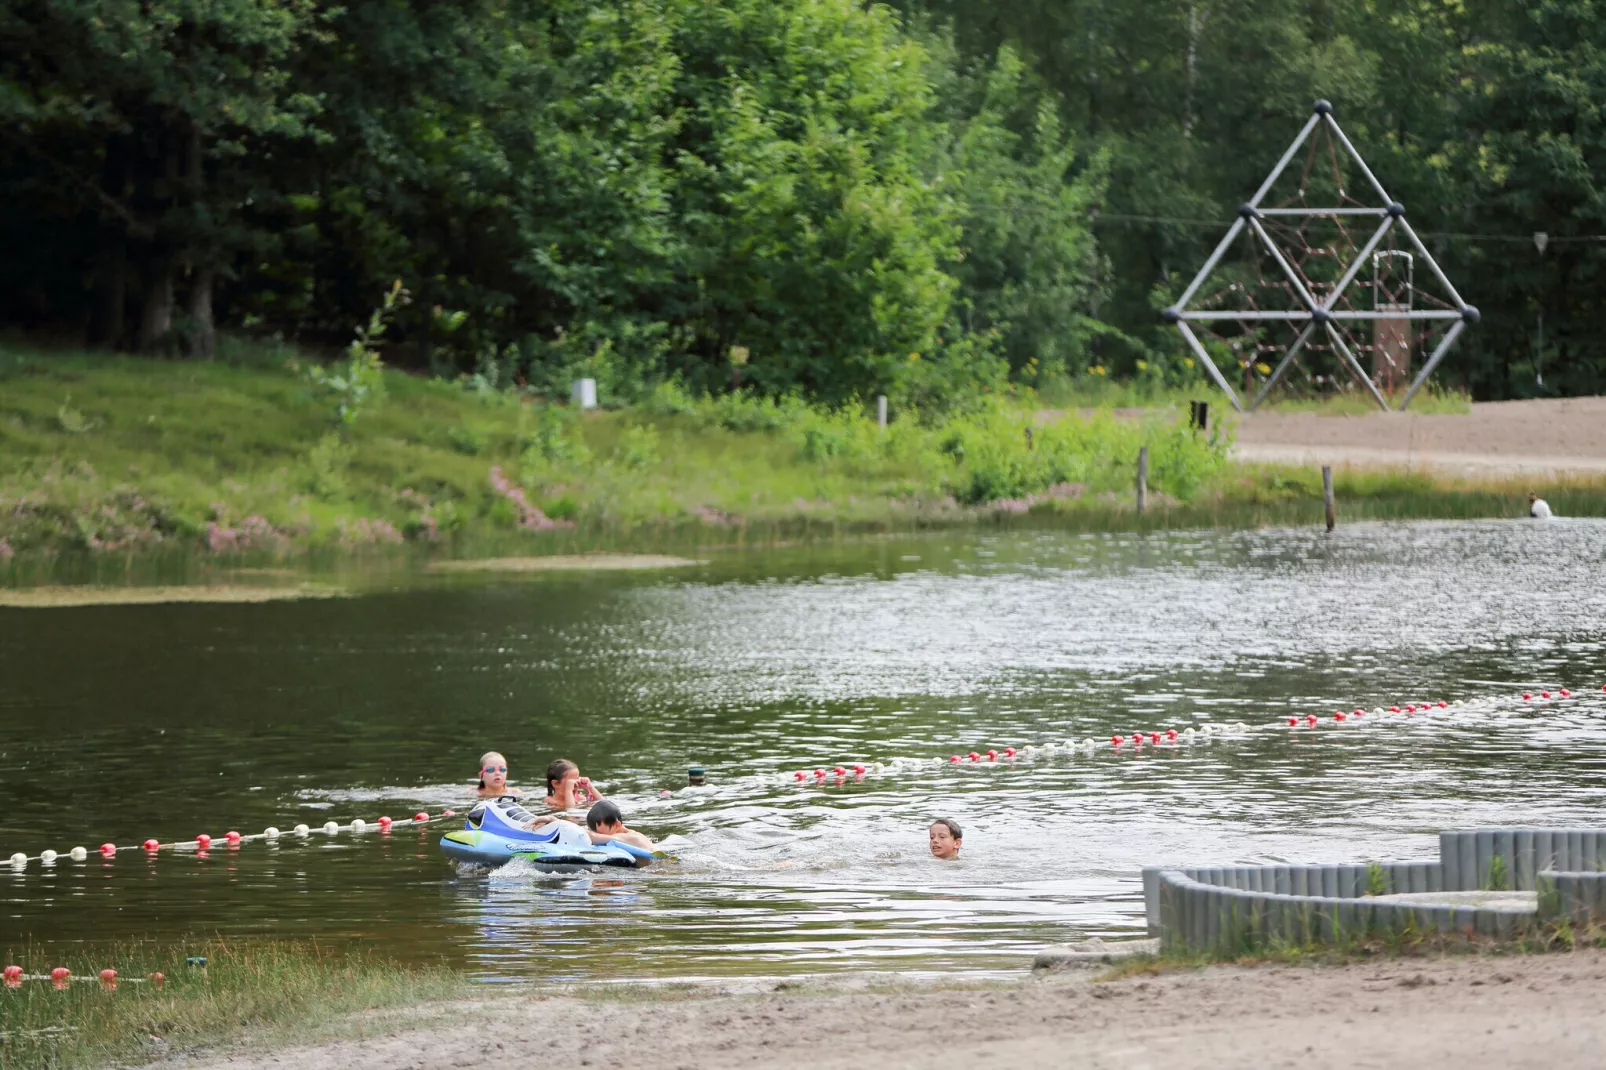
point(1504, 438)
point(1473, 1012)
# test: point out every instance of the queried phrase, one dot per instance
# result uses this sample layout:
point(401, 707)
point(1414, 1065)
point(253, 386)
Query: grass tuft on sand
point(264, 989)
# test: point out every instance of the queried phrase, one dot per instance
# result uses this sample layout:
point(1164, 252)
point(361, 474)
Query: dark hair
point(555, 772)
point(953, 828)
point(605, 812)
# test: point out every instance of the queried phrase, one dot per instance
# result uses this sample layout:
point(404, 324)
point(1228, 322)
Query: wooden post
point(1327, 495)
point(1143, 479)
point(881, 411)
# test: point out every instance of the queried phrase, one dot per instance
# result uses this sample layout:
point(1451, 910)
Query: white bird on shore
point(1538, 508)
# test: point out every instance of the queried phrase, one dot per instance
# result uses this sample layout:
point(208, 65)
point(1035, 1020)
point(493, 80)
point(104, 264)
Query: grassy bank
point(106, 460)
point(266, 990)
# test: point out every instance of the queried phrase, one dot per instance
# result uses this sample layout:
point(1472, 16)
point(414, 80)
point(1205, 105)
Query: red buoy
point(838, 771)
point(819, 774)
point(60, 976)
point(448, 813)
point(232, 836)
point(1563, 693)
point(420, 816)
point(1171, 733)
point(1154, 737)
point(13, 976)
point(108, 980)
point(157, 980)
point(1116, 741)
point(1526, 695)
point(203, 841)
point(1394, 709)
point(858, 770)
point(385, 822)
point(152, 845)
point(1360, 713)
point(1311, 718)
point(1544, 694)
point(975, 757)
point(1009, 752)
point(108, 849)
point(953, 759)
point(1292, 721)
point(1338, 716)
point(799, 776)
point(992, 756)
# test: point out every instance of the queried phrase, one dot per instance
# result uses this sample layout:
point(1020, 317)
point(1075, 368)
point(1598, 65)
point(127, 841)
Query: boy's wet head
point(604, 816)
point(946, 837)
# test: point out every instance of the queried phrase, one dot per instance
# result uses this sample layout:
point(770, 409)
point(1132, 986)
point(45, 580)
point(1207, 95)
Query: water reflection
point(173, 720)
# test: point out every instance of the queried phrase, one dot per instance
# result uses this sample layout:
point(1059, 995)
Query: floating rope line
point(203, 843)
point(1169, 738)
point(1164, 739)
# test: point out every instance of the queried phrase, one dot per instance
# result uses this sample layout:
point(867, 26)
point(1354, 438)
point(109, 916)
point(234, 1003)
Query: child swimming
point(567, 789)
point(605, 822)
point(946, 838)
point(493, 776)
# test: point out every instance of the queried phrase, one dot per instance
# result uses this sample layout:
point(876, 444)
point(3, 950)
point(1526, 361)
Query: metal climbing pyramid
point(1320, 286)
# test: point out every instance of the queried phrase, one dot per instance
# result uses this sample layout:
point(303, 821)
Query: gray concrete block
point(1524, 851)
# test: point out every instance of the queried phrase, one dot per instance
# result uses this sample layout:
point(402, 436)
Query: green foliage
point(360, 381)
point(638, 447)
point(1377, 880)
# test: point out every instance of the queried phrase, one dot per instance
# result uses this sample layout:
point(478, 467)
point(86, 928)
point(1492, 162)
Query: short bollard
point(1327, 496)
point(1143, 478)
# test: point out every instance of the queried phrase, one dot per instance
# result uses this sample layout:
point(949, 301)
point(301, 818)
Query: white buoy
point(877, 767)
point(302, 830)
point(331, 828)
point(78, 854)
point(19, 860)
point(48, 857)
point(1090, 744)
point(270, 833)
point(358, 824)
point(936, 761)
point(1188, 733)
point(1241, 727)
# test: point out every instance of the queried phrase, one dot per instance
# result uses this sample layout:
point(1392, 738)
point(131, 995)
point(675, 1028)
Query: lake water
point(120, 723)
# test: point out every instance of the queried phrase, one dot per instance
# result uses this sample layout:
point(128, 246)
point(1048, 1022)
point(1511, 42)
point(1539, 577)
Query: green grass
point(266, 990)
point(109, 464)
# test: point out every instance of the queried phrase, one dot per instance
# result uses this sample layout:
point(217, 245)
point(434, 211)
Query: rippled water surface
point(120, 723)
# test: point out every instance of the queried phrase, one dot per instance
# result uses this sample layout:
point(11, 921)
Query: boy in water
point(605, 822)
point(946, 838)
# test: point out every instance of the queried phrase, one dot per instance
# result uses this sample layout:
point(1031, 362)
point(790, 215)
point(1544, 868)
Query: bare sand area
point(565, 562)
point(1468, 1012)
point(63, 597)
point(1565, 436)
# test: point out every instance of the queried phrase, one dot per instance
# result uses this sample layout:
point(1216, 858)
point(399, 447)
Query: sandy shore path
point(1470, 1013)
point(1503, 438)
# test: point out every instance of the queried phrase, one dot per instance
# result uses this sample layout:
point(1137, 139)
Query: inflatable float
point(494, 834)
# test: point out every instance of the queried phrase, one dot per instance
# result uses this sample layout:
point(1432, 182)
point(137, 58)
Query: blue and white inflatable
point(496, 832)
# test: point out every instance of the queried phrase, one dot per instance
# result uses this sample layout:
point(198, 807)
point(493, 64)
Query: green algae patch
point(567, 563)
point(219, 593)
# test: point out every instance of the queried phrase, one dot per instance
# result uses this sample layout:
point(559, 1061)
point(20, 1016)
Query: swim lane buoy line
point(493, 834)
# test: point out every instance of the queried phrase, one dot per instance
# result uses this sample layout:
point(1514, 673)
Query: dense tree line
point(813, 195)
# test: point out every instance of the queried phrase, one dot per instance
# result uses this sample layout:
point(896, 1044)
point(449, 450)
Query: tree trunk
point(156, 317)
point(203, 336)
point(109, 311)
point(203, 339)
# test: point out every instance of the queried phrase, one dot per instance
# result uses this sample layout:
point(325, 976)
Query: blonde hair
point(487, 756)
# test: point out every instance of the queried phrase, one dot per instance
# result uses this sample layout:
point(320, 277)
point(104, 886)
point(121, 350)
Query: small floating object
point(1338, 716)
point(1310, 718)
point(953, 759)
point(839, 771)
point(157, 980)
point(108, 980)
point(1409, 708)
point(301, 830)
point(1171, 734)
point(974, 756)
point(448, 813)
point(385, 822)
point(1009, 752)
point(1360, 713)
point(1115, 741)
point(48, 857)
point(1378, 710)
point(13, 976)
point(1544, 694)
point(877, 767)
point(19, 860)
point(151, 845)
point(203, 841)
point(1090, 743)
point(198, 961)
point(1154, 737)
point(78, 854)
point(1526, 695)
point(1394, 709)
point(800, 776)
point(108, 849)
point(420, 816)
point(270, 833)
point(233, 838)
point(358, 824)
point(1563, 693)
point(992, 756)
point(1188, 733)
point(858, 770)
point(60, 976)
point(330, 827)
point(1443, 705)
